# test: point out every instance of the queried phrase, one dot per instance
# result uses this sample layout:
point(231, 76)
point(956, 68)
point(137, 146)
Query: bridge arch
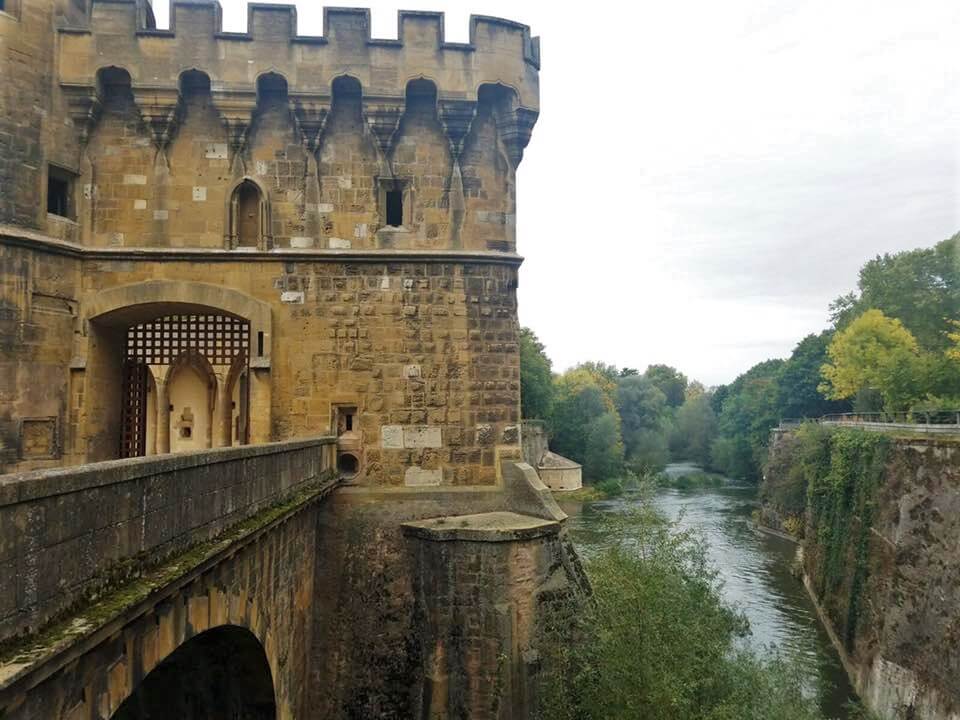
point(226, 326)
point(220, 674)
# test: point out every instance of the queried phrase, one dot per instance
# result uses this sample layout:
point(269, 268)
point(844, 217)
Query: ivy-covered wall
point(881, 555)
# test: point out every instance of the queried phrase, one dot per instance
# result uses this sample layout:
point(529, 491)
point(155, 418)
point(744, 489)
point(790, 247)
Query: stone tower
point(214, 238)
point(211, 239)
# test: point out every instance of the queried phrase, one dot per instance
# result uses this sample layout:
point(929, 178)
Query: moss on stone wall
point(830, 476)
point(840, 512)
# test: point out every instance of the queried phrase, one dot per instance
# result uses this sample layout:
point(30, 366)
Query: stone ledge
point(36, 484)
point(22, 237)
point(484, 527)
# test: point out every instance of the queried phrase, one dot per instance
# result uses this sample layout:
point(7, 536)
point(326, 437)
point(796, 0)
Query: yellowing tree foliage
point(953, 352)
point(875, 352)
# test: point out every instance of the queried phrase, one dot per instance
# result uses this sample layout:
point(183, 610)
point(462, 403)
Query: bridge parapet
point(68, 534)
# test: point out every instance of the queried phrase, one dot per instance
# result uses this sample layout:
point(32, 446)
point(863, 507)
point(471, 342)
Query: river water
point(755, 569)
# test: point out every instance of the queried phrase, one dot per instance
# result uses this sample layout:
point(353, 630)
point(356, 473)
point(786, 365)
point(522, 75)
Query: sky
point(705, 177)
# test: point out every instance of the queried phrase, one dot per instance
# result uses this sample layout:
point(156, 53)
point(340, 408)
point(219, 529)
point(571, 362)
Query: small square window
point(60, 191)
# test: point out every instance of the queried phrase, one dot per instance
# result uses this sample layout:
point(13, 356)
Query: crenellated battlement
point(119, 34)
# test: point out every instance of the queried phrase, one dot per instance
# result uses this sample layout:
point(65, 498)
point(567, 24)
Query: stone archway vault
point(109, 312)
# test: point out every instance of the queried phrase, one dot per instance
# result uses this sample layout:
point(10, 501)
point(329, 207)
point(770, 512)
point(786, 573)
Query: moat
point(755, 570)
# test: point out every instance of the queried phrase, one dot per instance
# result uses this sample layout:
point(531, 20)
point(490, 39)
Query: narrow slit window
point(395, 208)
point(58, 192)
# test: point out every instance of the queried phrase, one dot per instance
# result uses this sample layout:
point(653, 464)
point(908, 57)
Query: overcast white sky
point(706, 176)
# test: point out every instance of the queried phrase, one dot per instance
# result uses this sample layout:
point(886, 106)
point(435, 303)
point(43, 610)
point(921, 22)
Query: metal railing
point(933, 421)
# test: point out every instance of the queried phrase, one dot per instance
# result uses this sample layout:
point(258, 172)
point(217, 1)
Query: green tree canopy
point(748, 412)
point(920, 288)
point(536, 377)
point(875, 352)
point(643, 415)
point(603, 451)
point(672, 383)
point(694, 430)
point(797, 388)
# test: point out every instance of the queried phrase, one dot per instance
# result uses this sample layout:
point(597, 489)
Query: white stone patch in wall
point(391, 437)
point(215, 151)
point(292, 296)
point(418, 477)
point(411, 371)
point(134, 179)
point(324, 207)
point(408, 283)
point(385, 282)
point(262, 168)
point(421, 436)
point(199, 194)
point(301, 242)
point(161, 214)
point(87, 191)
point(139, 204)
point(360, 230)
point(344, 182)
point(340, 244)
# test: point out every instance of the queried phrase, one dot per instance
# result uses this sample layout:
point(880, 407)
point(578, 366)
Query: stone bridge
point(235, 584)
point(177, 583)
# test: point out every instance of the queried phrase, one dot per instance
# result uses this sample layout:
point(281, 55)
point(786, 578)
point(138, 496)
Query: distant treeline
point(893, 346)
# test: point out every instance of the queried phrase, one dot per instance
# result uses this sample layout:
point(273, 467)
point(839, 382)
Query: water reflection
point(755, 570)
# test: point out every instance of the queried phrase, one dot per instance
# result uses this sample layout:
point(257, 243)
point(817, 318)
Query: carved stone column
point(160, 109)
point(236, 111)
point(84, 105)
point(310, 113)
point(222, 415)
point(163, 410)
point(382, 115)
point(516, 127)
point(456, 116)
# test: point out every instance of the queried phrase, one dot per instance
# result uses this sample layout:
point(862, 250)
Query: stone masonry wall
point(65, 533)
point(374, 644)
point(38, 316)
point(895, 625)
point(427, 352)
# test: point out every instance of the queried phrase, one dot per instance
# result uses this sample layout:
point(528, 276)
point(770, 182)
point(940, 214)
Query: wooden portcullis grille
point(133, 414)
point(219, 338)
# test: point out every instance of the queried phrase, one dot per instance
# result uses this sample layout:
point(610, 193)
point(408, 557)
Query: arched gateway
point(168, 367)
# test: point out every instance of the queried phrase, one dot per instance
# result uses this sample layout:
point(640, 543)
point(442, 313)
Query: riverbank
point(755, 569)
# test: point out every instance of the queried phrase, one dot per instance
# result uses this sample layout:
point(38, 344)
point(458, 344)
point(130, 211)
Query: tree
point(748, 412)
point(694, 430)
point(797, 387)
point(672, 383)
point(536, 377)
point(657, 640)
point(642, 407)
point(878, 353)
point(921, 288)
point(578, 401)
point(953, 351)
point(603, 452)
